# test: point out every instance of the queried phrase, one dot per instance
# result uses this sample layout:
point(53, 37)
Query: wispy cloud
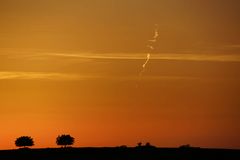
point(4, 75)
point(84, 56)
point(233, 46)
point(157, 56)
point(155, 78)
point(39, 75)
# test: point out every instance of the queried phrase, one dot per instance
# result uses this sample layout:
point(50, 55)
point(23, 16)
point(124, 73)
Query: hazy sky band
point(126, 56)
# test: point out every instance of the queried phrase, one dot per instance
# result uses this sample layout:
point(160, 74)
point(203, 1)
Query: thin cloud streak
point(42, 55)
point(159, 56)
point(6, 75)
point(233, 46)
point(38, 75)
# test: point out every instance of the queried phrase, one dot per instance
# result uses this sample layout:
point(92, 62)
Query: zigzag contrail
point(151, 47)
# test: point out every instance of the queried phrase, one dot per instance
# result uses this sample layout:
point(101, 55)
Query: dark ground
point(120, 153)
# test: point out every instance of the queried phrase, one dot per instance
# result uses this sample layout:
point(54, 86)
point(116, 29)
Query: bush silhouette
point(24, 141)
point(139, 144)
point(65, 140)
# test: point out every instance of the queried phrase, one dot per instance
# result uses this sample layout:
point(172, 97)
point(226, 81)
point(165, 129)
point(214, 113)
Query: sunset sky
point(74, 67)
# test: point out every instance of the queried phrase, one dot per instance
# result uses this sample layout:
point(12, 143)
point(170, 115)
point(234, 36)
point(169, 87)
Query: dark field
point(120, 153)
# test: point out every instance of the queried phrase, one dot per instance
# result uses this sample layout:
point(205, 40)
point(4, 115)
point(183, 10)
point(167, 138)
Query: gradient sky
point(72, 66)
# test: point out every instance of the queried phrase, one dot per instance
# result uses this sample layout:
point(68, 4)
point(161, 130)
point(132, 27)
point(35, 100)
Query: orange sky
point(72, 66)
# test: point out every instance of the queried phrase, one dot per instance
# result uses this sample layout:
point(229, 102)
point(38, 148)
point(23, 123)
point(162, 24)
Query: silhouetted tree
point(122, 146)
point(148, 144)
point(65, 140)
point(139, 144)
point(185, 146)
point(24, 141)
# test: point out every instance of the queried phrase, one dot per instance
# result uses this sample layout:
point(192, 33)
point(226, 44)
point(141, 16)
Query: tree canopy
point(65, 140)
point(24, 141)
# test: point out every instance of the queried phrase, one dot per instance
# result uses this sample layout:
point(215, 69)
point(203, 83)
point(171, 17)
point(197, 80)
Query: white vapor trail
point(151, 47)
point(148, 57)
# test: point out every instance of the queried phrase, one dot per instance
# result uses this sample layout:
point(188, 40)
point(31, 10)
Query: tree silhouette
point(139, 144)
point(24, 141)
point(65, 140)
point(148, 144)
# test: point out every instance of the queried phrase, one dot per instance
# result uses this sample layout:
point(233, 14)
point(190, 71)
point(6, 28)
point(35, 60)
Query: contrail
point(148, 57)
point(151, 47)
point(156, 34)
